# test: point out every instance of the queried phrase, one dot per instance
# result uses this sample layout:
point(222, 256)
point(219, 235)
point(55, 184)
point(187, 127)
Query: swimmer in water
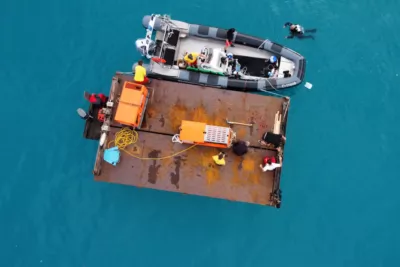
point(298, 31)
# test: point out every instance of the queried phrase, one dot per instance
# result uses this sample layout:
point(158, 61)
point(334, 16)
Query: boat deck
point(196, 44)
point(193, 171)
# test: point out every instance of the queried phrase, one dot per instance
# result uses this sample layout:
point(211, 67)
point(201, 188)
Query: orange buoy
point(158, 60)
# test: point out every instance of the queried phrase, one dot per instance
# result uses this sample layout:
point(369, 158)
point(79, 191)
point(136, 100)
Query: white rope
point(266, 40)
point(271, 85)
point(286, 109)
point(269, 92)
point(233, 139)
point(176, 139)
point(279, 95)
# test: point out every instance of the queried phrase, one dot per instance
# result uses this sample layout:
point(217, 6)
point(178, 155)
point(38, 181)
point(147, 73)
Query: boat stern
point(146, 22)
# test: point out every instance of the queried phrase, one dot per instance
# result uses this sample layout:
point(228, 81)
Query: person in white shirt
point(270, 164)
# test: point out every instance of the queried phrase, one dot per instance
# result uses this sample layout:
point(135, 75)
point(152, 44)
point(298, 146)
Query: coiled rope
point(126, 137)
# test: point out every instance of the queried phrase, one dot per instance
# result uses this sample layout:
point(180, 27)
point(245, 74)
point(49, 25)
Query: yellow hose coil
point(126, 137)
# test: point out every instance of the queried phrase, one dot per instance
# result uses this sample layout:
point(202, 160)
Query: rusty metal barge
point(152, 159)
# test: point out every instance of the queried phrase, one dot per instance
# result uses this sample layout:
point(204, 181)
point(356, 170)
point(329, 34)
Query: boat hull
point(231, 83)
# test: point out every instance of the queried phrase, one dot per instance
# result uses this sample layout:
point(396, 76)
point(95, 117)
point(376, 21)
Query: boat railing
point(266, 40)
point(168, 26)
point(166, 20)
point(243, 70)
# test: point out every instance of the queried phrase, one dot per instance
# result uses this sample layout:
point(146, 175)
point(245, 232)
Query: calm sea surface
point(340, 182)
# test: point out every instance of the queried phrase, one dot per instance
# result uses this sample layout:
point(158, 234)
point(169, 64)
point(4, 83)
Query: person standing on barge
point(240, 147)
point(140, 74)
point(270, 164)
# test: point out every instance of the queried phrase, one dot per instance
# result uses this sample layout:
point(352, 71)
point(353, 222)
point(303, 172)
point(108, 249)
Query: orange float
point(132, 105)
point(158, 60)
point(199, 133)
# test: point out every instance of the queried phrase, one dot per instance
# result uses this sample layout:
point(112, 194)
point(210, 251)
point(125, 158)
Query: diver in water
point(298, 31)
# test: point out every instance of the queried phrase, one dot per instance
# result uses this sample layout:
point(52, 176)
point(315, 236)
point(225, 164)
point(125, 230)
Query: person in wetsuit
point(229, 38)
point(272, 140)
point(298, 31)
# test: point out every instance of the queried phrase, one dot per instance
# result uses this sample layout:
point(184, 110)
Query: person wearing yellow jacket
point(140, 74)
point(219, 159)
point(191, 59)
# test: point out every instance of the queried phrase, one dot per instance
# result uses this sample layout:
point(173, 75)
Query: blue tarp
point(112, 155)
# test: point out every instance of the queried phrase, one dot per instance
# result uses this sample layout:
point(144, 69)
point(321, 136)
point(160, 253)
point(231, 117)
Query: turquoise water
point(340, 187)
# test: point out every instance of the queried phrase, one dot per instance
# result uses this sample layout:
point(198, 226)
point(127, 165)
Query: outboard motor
point(146, 47)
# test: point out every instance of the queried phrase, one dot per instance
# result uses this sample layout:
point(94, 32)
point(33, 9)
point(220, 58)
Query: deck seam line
point(167, 134)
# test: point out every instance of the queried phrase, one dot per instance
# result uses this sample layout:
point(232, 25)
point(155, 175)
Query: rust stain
point(220, 118)
point(252, 127)
point(222, 113)
point(177, 113)
point(211, 169)
point(241, 132)
point(153, 168)
point(159, 98)
point(199, 114)
point(240, 165)
point(150, 112)
point(259, 198)
point(259, 120)
point(248, 165)
point(175, 176)
point(255, 178)
point(254, 196)
point(133, 149)
point(237, 166)
point(169, 161)
point(162, 120)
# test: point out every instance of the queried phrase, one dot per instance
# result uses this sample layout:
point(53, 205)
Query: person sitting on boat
point(229, 38)
point(181, 63)
point(270, 164)
point(140, 74)
point(229, 59)
point(272, 61)
point(271, 67)
point(272, 140)
point(203, 55)
point(234, 64)
point(191, 59)
point(298, 31)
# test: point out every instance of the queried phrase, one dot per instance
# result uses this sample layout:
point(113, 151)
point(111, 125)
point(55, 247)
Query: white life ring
point(176, 139)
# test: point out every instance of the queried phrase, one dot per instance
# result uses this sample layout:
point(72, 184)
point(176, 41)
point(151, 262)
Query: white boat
point(245, 67)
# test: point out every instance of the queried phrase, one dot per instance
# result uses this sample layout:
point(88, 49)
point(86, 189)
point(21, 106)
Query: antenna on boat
point(83, 114)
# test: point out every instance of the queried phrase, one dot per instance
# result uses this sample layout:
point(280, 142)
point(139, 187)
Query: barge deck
point(193, 171)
